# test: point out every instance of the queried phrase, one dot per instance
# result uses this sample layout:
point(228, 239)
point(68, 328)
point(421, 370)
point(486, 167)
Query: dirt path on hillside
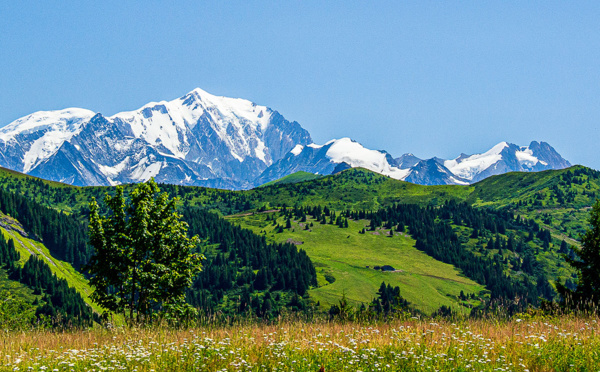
point(37, 252)
point(10, 224)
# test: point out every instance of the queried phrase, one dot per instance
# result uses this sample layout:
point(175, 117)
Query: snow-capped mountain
point(29, 140)
point(431, 172)
point(506, 157)
point(332, 157)
point(198, 139)
point(407, 161)
point(202, 139)
point(338, 155)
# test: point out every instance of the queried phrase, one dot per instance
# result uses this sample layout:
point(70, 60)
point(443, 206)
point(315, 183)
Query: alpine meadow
point(299, 186)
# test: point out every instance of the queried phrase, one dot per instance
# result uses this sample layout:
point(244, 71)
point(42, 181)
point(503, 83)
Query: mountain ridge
point(343, 153)
point(206, 140)
point(198, 139)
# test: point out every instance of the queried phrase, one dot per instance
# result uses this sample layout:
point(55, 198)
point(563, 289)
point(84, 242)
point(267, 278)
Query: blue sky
point(431, 78)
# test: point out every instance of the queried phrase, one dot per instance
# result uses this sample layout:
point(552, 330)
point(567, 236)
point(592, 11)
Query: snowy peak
point(506, 157)
point(332, 157)
point(468, 167)
point(208, 140)
point(547, 155)
point(38, 136)
point(64, 120)
point(356, 155)
point(340, 154)
point(198, 139)
point(230, 108)
point(432, 172)
point(237, 122)
point(407, 161)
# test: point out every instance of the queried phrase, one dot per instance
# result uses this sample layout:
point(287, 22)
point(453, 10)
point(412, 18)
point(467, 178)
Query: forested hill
point(358, 188)
point(556, 199)
point(543, 214)
point(242, 272)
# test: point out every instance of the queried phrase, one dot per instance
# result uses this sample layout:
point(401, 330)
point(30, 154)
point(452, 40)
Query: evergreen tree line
point(59, 303)
point(8, 254)
point(62, 234)
point(389, 300)
point(243, 263)
point(323, 215)
point(227, 202)
point(431, 229)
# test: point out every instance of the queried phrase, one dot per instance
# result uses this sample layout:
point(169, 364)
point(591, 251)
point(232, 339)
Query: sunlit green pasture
point(349, 257)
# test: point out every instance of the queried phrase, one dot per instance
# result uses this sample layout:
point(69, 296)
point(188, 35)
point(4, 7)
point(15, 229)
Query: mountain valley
point(522, 221)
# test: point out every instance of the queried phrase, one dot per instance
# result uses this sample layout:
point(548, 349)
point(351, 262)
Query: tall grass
point(559, 343)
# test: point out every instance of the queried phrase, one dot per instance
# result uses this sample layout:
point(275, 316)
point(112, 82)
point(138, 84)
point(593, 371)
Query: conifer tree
point(587, 263)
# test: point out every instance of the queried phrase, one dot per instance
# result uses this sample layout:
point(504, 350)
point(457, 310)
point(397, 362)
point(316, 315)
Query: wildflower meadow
point(562, 343)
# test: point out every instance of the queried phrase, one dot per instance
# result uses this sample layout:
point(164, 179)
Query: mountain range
point(206, 140)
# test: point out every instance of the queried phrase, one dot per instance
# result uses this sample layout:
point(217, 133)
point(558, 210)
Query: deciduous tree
point(143, 260)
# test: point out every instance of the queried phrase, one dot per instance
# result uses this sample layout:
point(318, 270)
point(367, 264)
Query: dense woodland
point(245, 269)
point(435, 236)
point(8, 254)
point(64, 235)
point(55, 301)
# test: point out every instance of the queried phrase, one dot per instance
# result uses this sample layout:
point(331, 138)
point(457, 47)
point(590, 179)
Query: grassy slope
point(344, 254)
point(299, 176)
point(564, 220)
point(508, 188)
point(15, 288)
point(357, 189)
point(531, 195)
point(362, 189)
point(26, 247)
point(6, 173)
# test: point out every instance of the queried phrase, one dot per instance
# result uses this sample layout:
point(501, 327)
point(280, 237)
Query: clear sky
point(431, 78)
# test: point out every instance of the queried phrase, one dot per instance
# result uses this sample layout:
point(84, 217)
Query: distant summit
point(463, 170)
point(198, 139)
point(506, 157)
point(206, 140)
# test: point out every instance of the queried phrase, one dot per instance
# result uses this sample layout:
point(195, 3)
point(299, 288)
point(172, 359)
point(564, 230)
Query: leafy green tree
point(587, 263)
point(144, 261)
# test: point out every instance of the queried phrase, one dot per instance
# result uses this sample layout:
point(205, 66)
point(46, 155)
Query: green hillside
point(12, 229)
point(558, 198)
point(556, 202)
point(299, 176)
point(356, 188)
point(345, 261)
